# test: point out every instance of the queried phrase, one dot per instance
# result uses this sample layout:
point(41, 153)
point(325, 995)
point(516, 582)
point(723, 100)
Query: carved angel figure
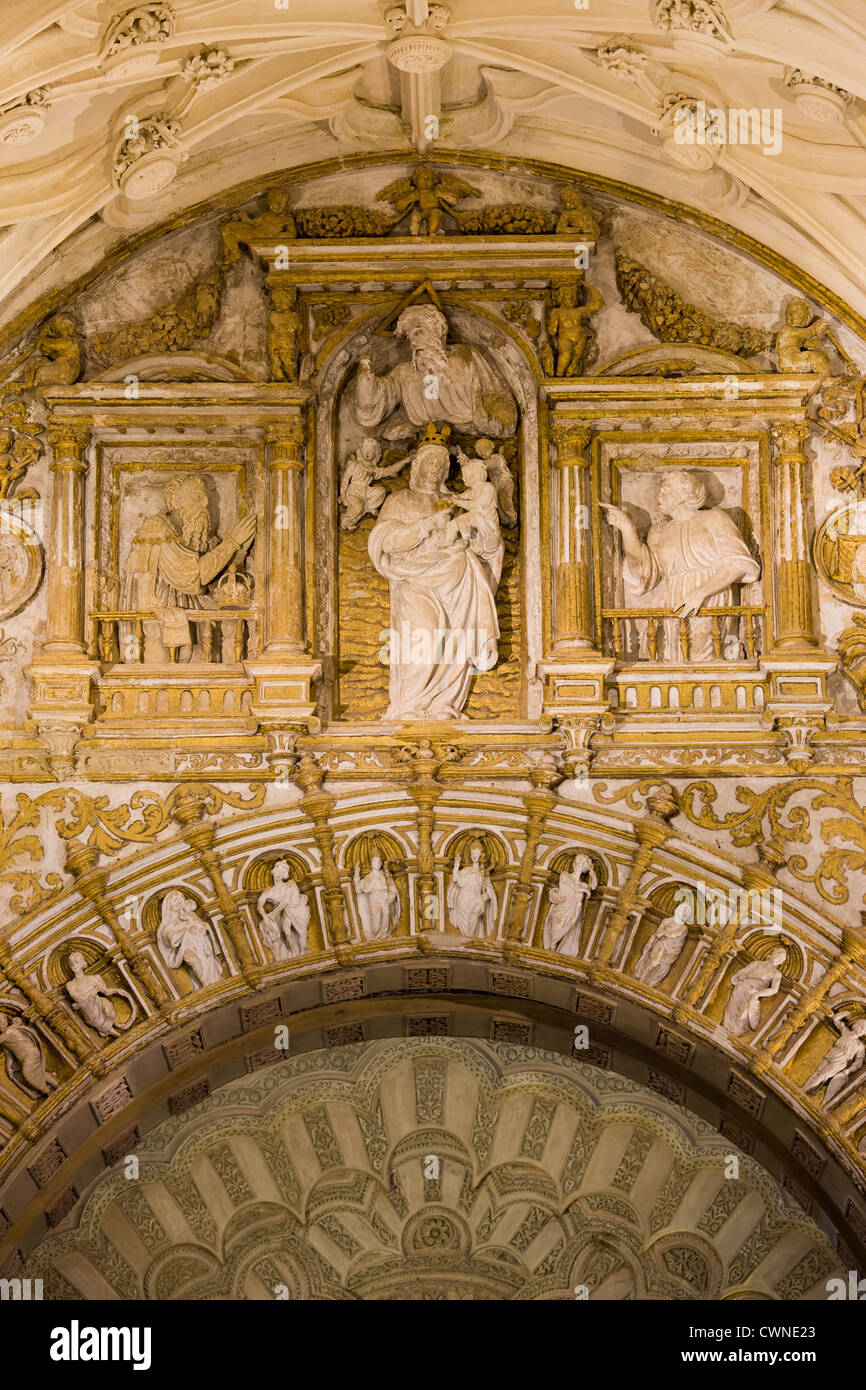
point(472, 901)
point(426, 198)
point(664, 946)
point(567, 902)
point(568, 326)
point(276, 223)
point(284, 923)
point(359, 492)
point(26, 1059)
point(797, 344)
point(760, 980)
point(184, 938)
point(92, 998)
point(842, 1060)
point(58, 354)
point(378, 899)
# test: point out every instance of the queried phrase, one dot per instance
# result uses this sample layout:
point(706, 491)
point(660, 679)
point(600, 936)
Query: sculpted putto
point(699, 556)
point(360, 492)
point(562, 927)
point(284, 914)
point(184, 938)
point(92, 998)
point(472, 904)
point(441, 383)
point(662, 950)
point(378, 899)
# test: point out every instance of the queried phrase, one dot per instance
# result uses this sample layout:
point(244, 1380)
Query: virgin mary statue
point(443, 581)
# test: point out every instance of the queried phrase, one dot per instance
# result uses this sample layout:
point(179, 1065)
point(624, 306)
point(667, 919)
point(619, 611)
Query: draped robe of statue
point(184, 938)
point(444, 625)
point(687, 554)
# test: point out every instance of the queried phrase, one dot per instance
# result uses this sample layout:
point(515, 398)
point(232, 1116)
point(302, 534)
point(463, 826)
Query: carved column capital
point(68, 440)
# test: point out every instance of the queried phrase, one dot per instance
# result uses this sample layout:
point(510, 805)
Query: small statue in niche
point(842, 1060)
point(577, 218)
point(442, 382)
point(358, 495)
point(284, 924)
point(797, 344)
point(92, 998)
point(500, 476)
point(171, 565)
point(275, 224)
point(760, 980)
point(663, 948)
point(284, 329)
point(698, 552)
point(378, 899)
point(472, 903)
point(426, 196)
point(185, 938)
point(568, 326)
point(564, 922)
point(26, 1060)
point(480, 519)
point(59, 354)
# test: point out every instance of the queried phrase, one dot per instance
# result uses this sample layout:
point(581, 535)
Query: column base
point(283, 690)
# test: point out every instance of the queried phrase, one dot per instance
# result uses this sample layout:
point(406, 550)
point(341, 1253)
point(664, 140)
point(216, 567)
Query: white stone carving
point(209, 69)
point(358, 495)
point(843, 1059)
point(820, 101)
point(760, 980)
point(443, 576)
point(418, 53)
point(92, 998)
point(500, 476)
point(184, 938)
point(284, 914)
point(146, 162)
point(24, 120)
point(564, 920)
point(26, 1059)
point(441, 383)
point(698, 554)
point(663, 948)
point(378, 899)
point(173, 561)
point(697, 27)
point(472, 904)
point(133, 40)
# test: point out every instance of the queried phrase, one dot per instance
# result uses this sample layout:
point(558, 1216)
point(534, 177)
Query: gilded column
point(68, 440)
point(572, 598)
point(794, 598)
point(318, 804)
point(51, 1012)
point(539, 802)
point(91, 882)
point(755, 880)
point(284, 612)
point(853, 949)
point(199, 833)
point(651, 834)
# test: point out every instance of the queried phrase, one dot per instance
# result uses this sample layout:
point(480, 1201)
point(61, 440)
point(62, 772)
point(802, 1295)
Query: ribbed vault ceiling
point(584, 87)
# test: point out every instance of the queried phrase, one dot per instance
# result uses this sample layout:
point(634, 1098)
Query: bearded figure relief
point(440, 383)
point(173, 561)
